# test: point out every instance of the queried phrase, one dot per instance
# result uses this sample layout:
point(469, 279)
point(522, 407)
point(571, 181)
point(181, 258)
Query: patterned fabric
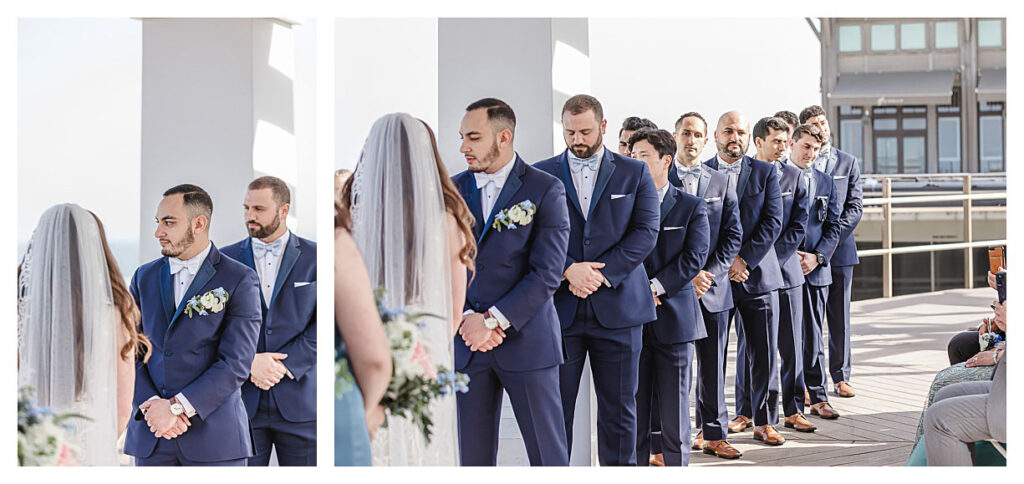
point(957, 373)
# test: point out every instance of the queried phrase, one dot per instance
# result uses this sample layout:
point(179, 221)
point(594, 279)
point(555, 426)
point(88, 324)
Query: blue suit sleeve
point(680, 272)
point(547, 255)
point(854, 206)
point(641, 236)
point(144, 387)
point(301, 350)
point(730, 233)
point(793, 234)
point(237, 347)
point(832, 229)
point(769, 225)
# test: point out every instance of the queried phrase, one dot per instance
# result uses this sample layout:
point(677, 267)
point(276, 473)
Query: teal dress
point(351, 439)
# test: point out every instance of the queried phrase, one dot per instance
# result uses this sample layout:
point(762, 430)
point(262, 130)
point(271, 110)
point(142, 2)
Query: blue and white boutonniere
point(514, 216)
point(211, 302)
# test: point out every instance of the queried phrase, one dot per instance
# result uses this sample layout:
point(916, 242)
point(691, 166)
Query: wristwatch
point(821, 258)
point(176, 407)
point(490, 322)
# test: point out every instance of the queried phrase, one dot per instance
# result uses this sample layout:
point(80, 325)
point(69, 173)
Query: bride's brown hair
point(125, 304)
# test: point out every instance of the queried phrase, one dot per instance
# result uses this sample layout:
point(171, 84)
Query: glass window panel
point(947, 35)
point(849, 38)
point(948, 109)
point(915, 123)
point(991, 145)
point(912, 36)
point(885, 123)
point(913, 154)
point(884, 110)
point(883, 37)
point(949, 145)
point(853, 110)
point(886, 157)
point(851, 137)
point(990, 107)
point(914, 109)
point(990, 33)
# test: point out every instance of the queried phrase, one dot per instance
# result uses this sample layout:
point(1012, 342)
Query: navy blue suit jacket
point(289, 327)
point(725, 233)
point(206, 358)
point(518, 270)
point(794, 224)
point(761, 218)
point(679, 255)
point(845, 172)
point(822, 236)
point(620, 231)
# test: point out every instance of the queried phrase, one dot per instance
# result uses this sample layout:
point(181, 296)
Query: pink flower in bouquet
point(67, 457)
point(421, 358)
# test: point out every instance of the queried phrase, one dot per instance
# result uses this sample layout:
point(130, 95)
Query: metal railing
point(966, 196)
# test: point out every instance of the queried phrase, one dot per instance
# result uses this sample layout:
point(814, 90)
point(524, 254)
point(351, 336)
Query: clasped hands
point(476, 335)
point(702, 283)
point(738, 271)
point(267, 370)
point(584, 278)
point(808, 261)
point(161, 421)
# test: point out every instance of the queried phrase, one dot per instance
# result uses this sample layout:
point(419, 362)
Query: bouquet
point(43, 434)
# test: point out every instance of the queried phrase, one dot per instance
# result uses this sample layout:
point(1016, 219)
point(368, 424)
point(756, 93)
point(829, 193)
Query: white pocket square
point(671, 228)
point(712, 199)
point(837, 177)
point(787, 193)
point(300, 284)
point(618, 196)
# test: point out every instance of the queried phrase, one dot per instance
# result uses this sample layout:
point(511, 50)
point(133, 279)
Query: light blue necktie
point(259, 248)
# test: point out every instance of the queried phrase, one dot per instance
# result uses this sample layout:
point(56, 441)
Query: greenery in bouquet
point(43, 435)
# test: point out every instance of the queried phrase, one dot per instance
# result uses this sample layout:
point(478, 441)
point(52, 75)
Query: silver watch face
point(491, 323)
point(177, 409)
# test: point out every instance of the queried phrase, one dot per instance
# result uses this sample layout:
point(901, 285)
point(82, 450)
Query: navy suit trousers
point(838, 312)
point(815, 298)
point(665, 370)
point(791, 349)
point(167, 453)
point(614, 362)
point(757, 326)
point(711, 415)
point(295, 442)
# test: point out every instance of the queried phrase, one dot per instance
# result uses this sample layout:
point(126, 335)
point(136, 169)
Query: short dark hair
point(282, 194)
point(810, 130)
point(810, 112)
point(580, 103)
point(498, 112)
point(692, 114)
point(634, 123)
point(661, 140)
point(763, 125)
point(789, 117)
point(197, 202)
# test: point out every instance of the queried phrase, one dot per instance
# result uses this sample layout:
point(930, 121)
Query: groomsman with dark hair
point(711, 285)
point(755, 272)
point(605, 298)
point(845, 172)
point(820, 241)
point(681, 251)
point(629, 126)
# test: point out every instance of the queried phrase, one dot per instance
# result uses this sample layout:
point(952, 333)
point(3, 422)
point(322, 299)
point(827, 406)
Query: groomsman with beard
point(681, 251)
point(509, 338)
point(818, 247)
point(280, 395)
point(711, 285)
point(201, 312)
point(606, 297)
point(629, 126)
point(754, 273)
point(845, 172)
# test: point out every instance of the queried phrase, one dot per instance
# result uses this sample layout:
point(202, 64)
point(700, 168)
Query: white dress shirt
point(584, 179)
point(267, 264)
point(731, 169)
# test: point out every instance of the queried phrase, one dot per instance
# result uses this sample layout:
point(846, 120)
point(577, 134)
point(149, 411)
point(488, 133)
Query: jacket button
point(163, 391)
point(167, 353)
point(586, 242)
point(270, 331)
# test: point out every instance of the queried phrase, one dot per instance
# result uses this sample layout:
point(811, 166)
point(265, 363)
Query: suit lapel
point(512, 185)
point(603, 175)
point(562, 169)
point(206, 272)
point(702, 184)
point(167, 290)
point(472, 195)
point(288, 258)
point(833, 158)
point(673, 175)
point(249, 259)
point(745, 168)
point(668, 203)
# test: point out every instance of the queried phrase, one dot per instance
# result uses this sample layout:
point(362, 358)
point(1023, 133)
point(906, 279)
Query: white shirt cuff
point(468, 311)
point(658, 288)
point(190, 411)
point(503, 322)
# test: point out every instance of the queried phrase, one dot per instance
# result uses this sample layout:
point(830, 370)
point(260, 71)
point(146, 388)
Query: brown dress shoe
point(824, 410)
point(768, 435)
point(721, 448)
point(807, 399)
point(698, 441)
point(739, 424)
point(798, 422)
point(844, 390)
point(657, 460)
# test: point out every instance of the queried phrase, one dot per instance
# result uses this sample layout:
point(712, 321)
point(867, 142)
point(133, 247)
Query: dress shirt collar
point(498, 178)
point(191, 265)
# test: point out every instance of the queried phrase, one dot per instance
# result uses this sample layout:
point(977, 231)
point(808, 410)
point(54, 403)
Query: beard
point(732, 149)
point(177, 248)
point(584, 151)
point(488, 160)
point(262, 231)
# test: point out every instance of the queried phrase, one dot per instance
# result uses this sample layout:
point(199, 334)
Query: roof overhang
point(894, 88)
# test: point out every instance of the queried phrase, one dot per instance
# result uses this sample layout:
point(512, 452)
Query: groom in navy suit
point(509, 338)
point(605, 298)
point(677, 258)
point(280, 395)
point(201, 312)
point(754, 273)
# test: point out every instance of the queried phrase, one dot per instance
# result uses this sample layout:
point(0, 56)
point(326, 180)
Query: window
point(947, 35)
point(949, 139)
point(886, 155)
point(913, 154)
point(849, 38)
point(912, 36)
point(990, 143)
point(990, 33)
point(883, 37)
point(851, 132)
point(900, 134)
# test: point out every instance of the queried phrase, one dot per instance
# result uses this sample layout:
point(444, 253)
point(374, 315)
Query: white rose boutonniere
point(211, 302)
point(514, 216)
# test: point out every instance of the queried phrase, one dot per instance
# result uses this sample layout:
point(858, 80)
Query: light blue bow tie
point(694, 170)
point(259, 248)
point(729, 168)
point(191, 265)
point(576, 164)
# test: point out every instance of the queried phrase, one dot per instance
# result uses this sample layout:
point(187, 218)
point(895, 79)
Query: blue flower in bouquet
point(515, 216)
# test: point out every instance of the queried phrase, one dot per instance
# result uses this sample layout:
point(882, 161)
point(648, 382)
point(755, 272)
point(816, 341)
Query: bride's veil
point(399, 225)
point(67, 328)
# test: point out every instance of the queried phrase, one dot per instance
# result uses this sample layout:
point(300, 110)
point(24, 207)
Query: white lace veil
point(399, 225)
point(67, 341)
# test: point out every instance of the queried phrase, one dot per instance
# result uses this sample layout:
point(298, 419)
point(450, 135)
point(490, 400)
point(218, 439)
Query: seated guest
point(965, 413)
point(966, 344)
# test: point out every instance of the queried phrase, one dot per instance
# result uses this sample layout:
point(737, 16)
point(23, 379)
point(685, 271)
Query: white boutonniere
point(514, 216)
point(211, 302)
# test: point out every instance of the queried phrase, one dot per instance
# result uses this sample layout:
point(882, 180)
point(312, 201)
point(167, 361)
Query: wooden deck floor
point(898, 346)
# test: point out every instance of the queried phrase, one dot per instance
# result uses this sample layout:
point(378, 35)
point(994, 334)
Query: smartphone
point(996, 259)
point(1001, 286)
